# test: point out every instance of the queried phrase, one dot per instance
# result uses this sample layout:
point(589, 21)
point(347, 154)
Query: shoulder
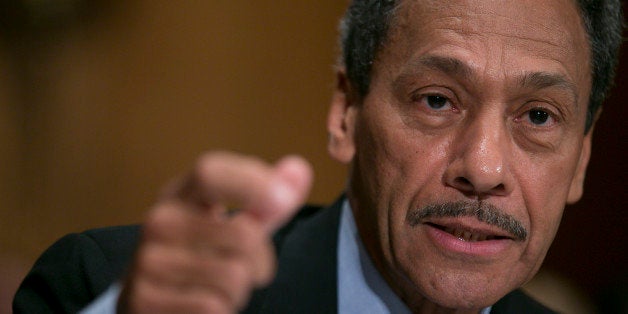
point(111, 248)
point(116, 243)
point(76, 269)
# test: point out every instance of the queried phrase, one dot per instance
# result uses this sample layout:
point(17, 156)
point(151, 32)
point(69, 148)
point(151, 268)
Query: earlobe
point(577, 183)
point(341, 121)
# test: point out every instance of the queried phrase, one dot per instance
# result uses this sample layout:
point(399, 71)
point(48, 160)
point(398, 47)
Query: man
point(467, 126)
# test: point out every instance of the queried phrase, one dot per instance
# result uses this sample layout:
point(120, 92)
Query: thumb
point(289, 188)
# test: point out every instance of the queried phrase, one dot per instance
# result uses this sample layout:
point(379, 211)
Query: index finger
point(268, 192)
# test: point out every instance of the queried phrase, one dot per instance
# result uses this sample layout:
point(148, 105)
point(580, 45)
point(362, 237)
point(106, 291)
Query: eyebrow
point(541, 80)
point(457, 68)
point(447, 65)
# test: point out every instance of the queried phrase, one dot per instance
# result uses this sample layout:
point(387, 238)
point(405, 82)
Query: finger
point(177, 251)
point(228, 278)
point(296, 172)
point(256, 247)
point(171, 221)
point(270, 193)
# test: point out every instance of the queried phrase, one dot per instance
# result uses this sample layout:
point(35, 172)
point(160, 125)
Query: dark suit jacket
point(79, 267)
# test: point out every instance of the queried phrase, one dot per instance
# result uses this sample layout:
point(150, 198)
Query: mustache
point(484, 212)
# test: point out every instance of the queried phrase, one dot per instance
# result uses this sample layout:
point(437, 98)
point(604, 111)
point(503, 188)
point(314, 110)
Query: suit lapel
point(306, 281)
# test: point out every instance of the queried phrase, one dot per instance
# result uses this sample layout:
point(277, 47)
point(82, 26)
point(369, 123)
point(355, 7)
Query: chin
point(466, 301)
point(461, 291)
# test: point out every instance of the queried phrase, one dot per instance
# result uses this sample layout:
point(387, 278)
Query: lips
point(468, 235)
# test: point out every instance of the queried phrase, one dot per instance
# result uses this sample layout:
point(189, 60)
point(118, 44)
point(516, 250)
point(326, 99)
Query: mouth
point(468, 234)
point(467, 237)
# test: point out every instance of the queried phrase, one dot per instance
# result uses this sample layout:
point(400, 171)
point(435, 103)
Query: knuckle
point(247, 234)
point(239, 274)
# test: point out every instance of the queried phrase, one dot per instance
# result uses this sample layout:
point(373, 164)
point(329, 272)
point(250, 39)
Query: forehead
point(492, 35)
point(525, 17)
point(520, 15)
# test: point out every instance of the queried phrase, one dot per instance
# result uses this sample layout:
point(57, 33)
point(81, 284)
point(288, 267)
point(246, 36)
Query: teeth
point(467, 235)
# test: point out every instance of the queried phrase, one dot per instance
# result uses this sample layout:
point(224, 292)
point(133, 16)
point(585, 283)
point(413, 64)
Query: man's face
point(468, 145)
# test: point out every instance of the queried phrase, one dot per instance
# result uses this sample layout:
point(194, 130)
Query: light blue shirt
point(361, 288)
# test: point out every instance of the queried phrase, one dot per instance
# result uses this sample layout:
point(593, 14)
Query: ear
point(577, 183)
point(341, 120)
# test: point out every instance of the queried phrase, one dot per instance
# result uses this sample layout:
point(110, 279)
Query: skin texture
point(453, 116)
point(194, 257)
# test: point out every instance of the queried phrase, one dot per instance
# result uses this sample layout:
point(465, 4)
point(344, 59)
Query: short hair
point(364, 30)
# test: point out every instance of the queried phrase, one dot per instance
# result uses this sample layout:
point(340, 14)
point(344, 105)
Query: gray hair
point(364, 30)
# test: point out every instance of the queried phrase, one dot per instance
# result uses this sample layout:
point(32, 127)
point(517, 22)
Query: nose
point(479, 161)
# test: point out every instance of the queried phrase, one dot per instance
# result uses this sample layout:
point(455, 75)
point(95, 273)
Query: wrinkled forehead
point(543, 29)
point(556, 21)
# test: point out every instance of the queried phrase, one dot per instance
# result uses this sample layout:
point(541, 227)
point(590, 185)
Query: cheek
point(400, 164)
point(545, 186)
point(394, 164)
point(375, 160)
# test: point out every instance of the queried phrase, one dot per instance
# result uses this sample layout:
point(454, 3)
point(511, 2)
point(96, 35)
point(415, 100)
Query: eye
point(435, 102)
point(433, 107)
point(539, 117)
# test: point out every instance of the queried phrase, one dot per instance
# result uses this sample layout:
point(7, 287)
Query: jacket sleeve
point(75, 270)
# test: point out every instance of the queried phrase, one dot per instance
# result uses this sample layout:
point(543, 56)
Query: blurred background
point(102, 102)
